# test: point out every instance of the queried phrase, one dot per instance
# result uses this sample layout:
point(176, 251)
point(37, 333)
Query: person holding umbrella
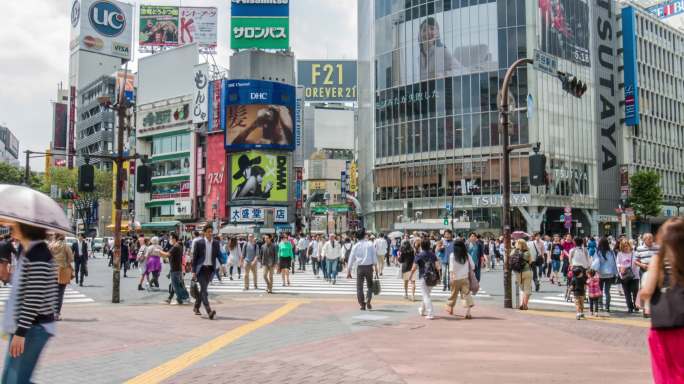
point(29, 317)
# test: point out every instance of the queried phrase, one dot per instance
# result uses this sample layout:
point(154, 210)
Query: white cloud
point(34, 59)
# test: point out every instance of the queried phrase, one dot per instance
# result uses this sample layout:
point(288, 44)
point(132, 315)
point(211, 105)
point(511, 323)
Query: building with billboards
point(653, 131)
point(60, 123)
point(95, 124)
point(428, 140)
point(166, 136)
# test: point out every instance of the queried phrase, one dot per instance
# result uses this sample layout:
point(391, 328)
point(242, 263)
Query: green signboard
point(259, 32)
point(323, 209)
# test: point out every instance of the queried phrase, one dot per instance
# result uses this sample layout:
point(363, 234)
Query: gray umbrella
point(25, 205)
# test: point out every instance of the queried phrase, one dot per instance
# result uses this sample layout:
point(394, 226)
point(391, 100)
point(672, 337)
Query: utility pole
point(506, 215)
point(27, 170)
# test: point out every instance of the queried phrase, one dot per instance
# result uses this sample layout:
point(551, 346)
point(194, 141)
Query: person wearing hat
point(253, 178)
point(364, 257)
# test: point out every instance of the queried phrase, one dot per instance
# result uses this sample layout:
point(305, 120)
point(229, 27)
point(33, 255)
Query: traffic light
point(86, 178)
point(144, 179)
point(572, 84)
point(537, 170)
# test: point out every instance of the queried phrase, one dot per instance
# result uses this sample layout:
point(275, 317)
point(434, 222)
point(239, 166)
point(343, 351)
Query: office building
point(9, 146)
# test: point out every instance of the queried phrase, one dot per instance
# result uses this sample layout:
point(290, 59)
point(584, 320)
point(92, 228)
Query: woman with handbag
point(64, 260)
point(461, 269)
point(629, 274)
point(604, 263)
point(664, 288)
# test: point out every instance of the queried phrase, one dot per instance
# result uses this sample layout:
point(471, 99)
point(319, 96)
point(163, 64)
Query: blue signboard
point(667, 9)
point(631, 74)
point(259, 115)
point(261, 8)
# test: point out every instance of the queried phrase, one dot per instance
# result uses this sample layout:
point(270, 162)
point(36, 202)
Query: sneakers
point(421, 311)
point(369, 306)
point(578, 316)
point(212, 314)
point(430, 317)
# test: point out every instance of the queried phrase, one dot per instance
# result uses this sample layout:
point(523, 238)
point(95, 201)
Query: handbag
point(194, 290)
point(375, 287)
point(628, 274)
point(472, 279)
point(667, 308)
point(65, 275)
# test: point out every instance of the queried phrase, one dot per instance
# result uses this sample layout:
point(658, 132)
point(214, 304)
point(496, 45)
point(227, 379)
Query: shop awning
point(159, 203)
point(169, 179)
point(161, 225)
point(179, 155)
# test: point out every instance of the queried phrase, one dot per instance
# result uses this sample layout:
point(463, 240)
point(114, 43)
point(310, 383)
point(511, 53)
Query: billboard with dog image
point(259, 114)
point(257, 175)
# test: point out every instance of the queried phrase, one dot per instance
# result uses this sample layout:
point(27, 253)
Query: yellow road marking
point(611, 320)
point(174, 366)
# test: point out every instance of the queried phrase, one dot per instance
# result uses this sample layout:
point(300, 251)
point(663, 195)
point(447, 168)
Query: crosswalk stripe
point(616, 300)
point(71, 296)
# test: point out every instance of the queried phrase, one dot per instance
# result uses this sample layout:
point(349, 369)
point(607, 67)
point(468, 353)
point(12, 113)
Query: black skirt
point(285, 262)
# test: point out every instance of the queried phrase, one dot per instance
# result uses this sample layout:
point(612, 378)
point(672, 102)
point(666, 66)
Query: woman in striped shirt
point(29, 317)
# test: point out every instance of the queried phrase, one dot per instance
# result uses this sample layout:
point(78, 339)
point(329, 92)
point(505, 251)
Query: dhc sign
point(107, 18)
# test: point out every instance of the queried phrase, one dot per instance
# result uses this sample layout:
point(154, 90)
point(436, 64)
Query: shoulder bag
point(472, 279)
point(628, 274)
point(667, 308)
point(376, 288)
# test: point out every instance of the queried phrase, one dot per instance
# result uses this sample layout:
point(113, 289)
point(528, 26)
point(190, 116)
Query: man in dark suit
point(204, 258)
point(80, 250)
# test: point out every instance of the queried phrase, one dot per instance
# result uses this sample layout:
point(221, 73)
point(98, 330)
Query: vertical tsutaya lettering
point(281, 181)
point(606, 85)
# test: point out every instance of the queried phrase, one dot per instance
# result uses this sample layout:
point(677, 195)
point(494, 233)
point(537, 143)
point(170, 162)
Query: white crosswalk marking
point(71, 296)
point(306, 283)
point(617, 301)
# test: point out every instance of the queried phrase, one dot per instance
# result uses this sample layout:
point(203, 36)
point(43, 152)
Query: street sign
point(545, 63)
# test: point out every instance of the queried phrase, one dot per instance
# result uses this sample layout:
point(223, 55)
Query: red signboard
point(215, 123)
point(72, 122)
point(215, 180)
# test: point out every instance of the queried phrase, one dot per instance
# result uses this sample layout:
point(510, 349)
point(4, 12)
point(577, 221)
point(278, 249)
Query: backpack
point(430, 274)
point(517, 261)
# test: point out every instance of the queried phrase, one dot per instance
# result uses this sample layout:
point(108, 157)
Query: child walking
point(579, 283)
point(595, 293)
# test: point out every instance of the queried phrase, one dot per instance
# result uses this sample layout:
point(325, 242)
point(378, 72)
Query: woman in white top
point(461, 265)
point(141, 259)
point(332, 252)
point(579, 256)
point(234, 257)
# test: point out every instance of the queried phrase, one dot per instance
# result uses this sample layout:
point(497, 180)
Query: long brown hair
point(671, 241)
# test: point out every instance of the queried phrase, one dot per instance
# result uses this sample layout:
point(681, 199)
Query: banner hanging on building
point(201, 94)
point(259, 114)
point(257, 175)
point(216, 178)
point(199, 25)
point(327, 80)
point(629, 45)
point(214, 93)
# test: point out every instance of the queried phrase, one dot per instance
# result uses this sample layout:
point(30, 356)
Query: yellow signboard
point(353, 178)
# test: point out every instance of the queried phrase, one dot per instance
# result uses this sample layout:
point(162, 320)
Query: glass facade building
point(428, 131)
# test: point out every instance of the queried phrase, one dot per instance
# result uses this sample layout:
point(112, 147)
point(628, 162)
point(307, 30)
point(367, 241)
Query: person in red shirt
point(567, 243)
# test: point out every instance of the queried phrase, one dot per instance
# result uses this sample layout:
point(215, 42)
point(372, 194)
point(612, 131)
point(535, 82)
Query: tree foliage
point(646, 196)
point(9, 174)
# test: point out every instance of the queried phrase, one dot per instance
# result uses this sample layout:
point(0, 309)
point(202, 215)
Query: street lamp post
point(506, 214)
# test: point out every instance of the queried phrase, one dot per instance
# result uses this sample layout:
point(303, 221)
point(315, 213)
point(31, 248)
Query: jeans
point(426, 305)
point(315, 265)
point(605, 283)
point(302, 260)
point(19, 370)
point(445, 277)
point(60, 299)
point(80, 267)
point(324, 268)
point(239, 270)
point(331, 267)
point(630, 287)
point(177, 287)
point(364, 273)
point(594, 304)
point(478, 269)
point(203, 278)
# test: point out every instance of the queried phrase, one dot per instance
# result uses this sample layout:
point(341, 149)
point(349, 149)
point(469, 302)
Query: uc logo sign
point(107, 18)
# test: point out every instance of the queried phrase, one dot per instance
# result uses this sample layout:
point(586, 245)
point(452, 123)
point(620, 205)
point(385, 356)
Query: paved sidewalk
point(331, 341)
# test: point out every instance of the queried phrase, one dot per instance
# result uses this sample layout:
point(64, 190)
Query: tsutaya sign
point(497, 200)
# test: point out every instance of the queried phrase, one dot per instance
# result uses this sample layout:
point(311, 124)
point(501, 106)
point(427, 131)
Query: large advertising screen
point(102, 26)
point(59, 133)
point(259, 114)
point(564, 29)
point(216, 178)
point(327, 80)
point(158, 26)
point(257, 175)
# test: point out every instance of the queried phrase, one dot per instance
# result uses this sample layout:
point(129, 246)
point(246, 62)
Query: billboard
point(216, 178)
point(564, 29)
point(59, 130)
point(158, 26)
point(259, 8)
point(214, 105)
point(257, 175)
point(327, 80)
point(200, 94)
point(199, 25)
point(251, 214)
point(259, 32)
point(102, 26)
point(259, 114)
point(667, 9)
point(630, 59)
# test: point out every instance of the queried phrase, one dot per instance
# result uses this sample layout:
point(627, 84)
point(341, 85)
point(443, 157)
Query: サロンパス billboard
point(158, 26)
point(257, 175)
point(259, 114)
point(327, 80)
point(260, 32)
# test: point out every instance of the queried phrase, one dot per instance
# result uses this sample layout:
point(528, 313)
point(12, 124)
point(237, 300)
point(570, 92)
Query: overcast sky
point(34, 35)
